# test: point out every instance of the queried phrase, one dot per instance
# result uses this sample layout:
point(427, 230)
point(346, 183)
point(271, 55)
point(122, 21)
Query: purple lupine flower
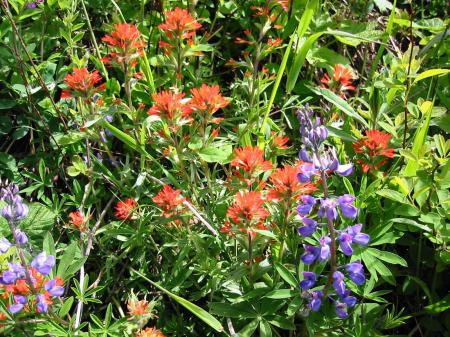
point(8, 213)
point(309, 228)
point(21, 237)
point(108, 118)
point(345, 242)
point(338, 283)
point(308, 203)
point(358, 237)
point(344, 170)
point(5, 245)
point(42, 305)
point(309, 280)
point(348, 299)
point(316, 300)
point(304, 156)
point(14, 272)
point(346, 204)
point(20, 299)
point(21, 209)
point(341, 310)
point(43, 263)
point(53, 288)
point(307, 171)
point(15, 308)
point(327, 209)
point(324, 248)
point(356, 272)
point(310, 255)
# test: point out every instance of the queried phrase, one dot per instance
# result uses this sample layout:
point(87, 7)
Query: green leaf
point(387, 257)
point(340, 103)
point(286, 275)
point(65, 308)
point(264, 329)
point(67, 259)
point(419, 139)
point(233, 310)
point(195, 309)
point(216, 153)
point(438, 307)
point(281, 293)
point(430, 73)
point(391, 194)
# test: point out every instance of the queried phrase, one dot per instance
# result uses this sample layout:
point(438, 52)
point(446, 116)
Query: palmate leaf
point(193, 308)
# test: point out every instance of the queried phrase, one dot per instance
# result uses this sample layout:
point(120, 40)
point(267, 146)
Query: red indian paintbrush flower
point(170, 201)
point(208, 99)
point(124, 209)
point(375, 148)
point(250, 159)
point(82, 83)
point(341, 80)
point(137, 308)
point(179, 24)
point(150, 332)
point(247, 212)
point(126, 43)
point(285, 184)
point(170, 106)
point(77, 220)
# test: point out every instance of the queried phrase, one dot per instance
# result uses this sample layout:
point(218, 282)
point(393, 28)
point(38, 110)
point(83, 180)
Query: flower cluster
point(340, 82)
point(171, 203)
point(82, 83)
point(247, 213)
point(374, 150)
point(150, 332)
point(126, 46)
point(25, 286)
point(313, 211)
point(176, 110)
point(179, 29)
point(124, 209)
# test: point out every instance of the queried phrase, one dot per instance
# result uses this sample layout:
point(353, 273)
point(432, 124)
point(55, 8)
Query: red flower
point(208, 99)
point(375, 148)
point(179, 24)
point(150, 332)
point(280, 141)
point(124, 209)
point(284, 4)
point(170, 106)
point(273, 43)
point(285, 184)
point(77, 220)
point(170, 201)
point(247, 211)
point(126, 43)
point(341, 81)
point(250, 159)
point(82, 83)
point(137, 308)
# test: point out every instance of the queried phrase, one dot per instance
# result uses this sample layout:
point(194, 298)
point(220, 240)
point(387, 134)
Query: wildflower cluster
point(340, 82)
point(24, 286)
point(374, 150)
point(126, 47)
point(82, 83)
point(319, 163)
point(171, 203)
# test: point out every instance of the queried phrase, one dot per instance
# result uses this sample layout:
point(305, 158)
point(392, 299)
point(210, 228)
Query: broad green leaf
point(233, 310)
point(387, 257)
point(419, 139)
point(264, 329)
point(391, 194)
point(340, 103)
point(430, 73)
point(216, 153)
point(281, 293)
point(439, 306)
point(301, 52)
point(193, 308)
point(286, 275)
point(65, 308)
